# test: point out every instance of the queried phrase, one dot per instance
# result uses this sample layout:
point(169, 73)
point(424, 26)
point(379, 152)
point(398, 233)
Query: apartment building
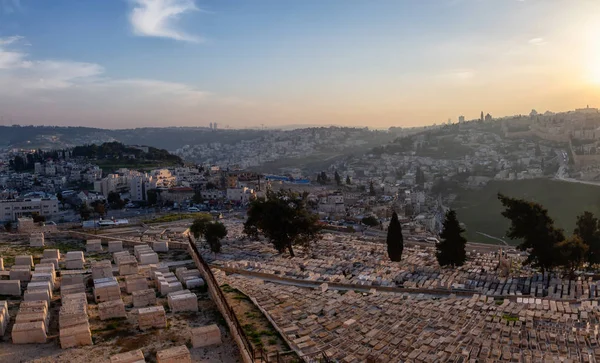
point(11, 209)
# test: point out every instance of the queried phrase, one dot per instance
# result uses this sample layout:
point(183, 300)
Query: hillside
point(480, 209)
point(113, 155)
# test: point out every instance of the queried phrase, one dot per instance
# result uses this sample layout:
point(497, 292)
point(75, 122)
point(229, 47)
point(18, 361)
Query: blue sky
point(133, 63)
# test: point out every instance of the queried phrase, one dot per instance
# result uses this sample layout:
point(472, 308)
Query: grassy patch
point(174, 217)
point(480, 209)
point(509, 317)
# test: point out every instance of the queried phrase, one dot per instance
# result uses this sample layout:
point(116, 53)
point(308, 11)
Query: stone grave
point(134, 356)
point(205, 336)
point(4, 317)
point(152, 317)
point(115, 246)
point(10, 287)
point(36, 240)
point(74, 260)
point(106, 289)
point(101, 269)
point(135, 283)
point(179, 354)
point(93, 245)
point(183, 300)
point(143, 298)
point(111, 309)
point(73, 321)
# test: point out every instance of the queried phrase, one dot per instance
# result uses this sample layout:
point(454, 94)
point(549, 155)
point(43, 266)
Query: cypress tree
point(451, 249)
point(395, 241)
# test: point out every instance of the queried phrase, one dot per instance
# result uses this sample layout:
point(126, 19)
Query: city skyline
point(136, 63)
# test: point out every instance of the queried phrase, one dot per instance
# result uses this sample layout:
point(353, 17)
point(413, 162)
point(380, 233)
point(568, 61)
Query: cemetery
point(74, 298)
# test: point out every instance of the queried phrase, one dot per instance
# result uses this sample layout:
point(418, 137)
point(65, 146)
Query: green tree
point(214, 233)
point(451, 249)
point(348, 181)
point(588, 229)
point(572, 253)
point(198, 227)
point(370, 221)
point(395, 240)
point(338, 178)
point(8, 226)
point(284, 220)
point(530, 223)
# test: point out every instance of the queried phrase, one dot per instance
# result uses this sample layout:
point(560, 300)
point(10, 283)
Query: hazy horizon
point(160, 63)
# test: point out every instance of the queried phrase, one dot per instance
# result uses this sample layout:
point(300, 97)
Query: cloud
point(537, 41)
point(20, 75)
point(156, 18)
point(10, 40)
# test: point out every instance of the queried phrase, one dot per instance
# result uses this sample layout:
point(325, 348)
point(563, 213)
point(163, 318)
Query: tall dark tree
point(588, 229)
point(395, 240)
point(115, 201)
point(152, 196)
point(451, 248)
point(284, 220)
point(348, 181)
point(530, 223)
point(338, 178)
point(214, 233)
point(572, 253)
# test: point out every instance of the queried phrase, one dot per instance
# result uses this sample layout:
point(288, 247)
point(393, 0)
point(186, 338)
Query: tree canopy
point(198, 227)
point(530, 223)
point(395, 240)
point(451, 248)
point(214, 232)
point(284, 220)
point(588, 229)
point(370, 221)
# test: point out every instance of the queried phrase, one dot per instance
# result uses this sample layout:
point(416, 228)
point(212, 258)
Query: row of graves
point(355, 261)
point(401, 327)
point(140, 275)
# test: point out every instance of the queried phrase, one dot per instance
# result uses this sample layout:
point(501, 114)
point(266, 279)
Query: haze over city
point(122, 64)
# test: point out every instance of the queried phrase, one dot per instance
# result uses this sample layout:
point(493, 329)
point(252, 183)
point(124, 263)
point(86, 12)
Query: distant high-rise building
point(461, 119)
point(215, 126)
point(488, 118)
point(211, 125)
point(481, 118)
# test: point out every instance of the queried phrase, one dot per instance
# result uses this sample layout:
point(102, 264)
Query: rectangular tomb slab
point(10, 287)
point(111, 309)
point(152, 317)
point(135, 283)
point(206, 335)
point(24, 260)
point(115, 246)
point(21, 273)
point(75, 336)
point(134, 356)
point(29, 333)
point(179, 354)
point(93, 245)
point(51, 253)
point(142, 298)
point(101, 269)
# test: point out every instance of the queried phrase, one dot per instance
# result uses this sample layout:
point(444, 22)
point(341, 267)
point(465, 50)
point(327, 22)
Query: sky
point(248, 63)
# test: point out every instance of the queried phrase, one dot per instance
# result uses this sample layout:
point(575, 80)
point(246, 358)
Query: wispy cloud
point(157, 18)
point(10, 40)
point(24, 76)
point(537, 41)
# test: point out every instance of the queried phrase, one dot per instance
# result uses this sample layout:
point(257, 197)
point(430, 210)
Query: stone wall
point(218, 298)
